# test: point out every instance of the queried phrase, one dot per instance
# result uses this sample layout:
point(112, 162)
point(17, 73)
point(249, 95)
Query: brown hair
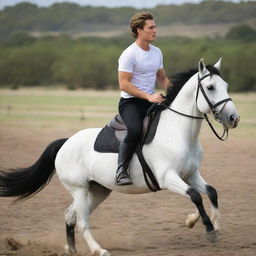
point(138, 21)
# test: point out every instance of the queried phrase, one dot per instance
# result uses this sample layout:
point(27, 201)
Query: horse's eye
point(210, 87)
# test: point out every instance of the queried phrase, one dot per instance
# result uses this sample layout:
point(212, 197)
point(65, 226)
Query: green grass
point(56, 100)
point(89, 108)
point(55, 107)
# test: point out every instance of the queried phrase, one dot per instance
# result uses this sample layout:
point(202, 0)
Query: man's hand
point(155, 98)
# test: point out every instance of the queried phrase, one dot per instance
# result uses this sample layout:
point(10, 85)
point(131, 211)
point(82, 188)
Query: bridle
point(217, 114)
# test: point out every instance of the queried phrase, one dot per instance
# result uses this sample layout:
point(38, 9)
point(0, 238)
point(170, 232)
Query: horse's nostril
point(232, 118)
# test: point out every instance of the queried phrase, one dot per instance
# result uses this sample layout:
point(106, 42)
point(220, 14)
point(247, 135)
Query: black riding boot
point(124, 157)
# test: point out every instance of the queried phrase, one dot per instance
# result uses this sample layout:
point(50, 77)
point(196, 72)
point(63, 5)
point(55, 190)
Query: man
point(140, 66)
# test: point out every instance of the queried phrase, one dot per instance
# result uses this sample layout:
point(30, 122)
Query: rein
point(217, 114)
point(182, 114)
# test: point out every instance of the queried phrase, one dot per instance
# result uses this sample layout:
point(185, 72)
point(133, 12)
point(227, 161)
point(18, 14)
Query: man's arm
point(162, 79)
point(127, 86)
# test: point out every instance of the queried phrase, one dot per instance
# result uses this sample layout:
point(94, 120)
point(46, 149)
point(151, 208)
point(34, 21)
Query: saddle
point(109, 138)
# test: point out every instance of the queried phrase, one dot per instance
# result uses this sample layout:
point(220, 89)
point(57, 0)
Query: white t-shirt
point(143, 65)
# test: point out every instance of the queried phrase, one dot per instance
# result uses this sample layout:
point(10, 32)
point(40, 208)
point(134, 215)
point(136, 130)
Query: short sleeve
point(126, 62)
point(161, 64)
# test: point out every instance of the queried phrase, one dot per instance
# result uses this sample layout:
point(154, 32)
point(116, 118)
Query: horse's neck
point(185, 102)
point(173, 124)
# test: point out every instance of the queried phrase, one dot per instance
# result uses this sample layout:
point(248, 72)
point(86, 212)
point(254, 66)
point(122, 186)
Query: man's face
point(148, 33)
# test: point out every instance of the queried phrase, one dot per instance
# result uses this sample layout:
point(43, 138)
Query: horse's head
point(212, 95)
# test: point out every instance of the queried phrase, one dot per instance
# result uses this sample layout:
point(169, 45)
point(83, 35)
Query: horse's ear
point(218, 64)
point(201, 68)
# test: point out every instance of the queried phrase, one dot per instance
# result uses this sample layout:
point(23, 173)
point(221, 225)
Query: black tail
point(26, 182)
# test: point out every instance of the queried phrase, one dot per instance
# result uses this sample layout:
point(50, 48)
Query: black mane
point(178, 81)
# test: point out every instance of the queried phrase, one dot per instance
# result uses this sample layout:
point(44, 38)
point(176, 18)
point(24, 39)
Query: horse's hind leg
point(86, 199)
point(97, 194)
point(71, 218)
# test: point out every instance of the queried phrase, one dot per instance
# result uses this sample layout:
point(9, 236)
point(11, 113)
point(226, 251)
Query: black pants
point(132, 111)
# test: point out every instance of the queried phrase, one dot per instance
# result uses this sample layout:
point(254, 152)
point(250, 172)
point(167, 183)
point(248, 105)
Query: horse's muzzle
point(234, 120)
point(228, 121)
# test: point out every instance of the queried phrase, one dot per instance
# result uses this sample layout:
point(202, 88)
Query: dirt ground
point(148, 224)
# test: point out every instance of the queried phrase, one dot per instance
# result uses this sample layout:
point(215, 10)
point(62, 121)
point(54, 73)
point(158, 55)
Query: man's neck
point(144, 45)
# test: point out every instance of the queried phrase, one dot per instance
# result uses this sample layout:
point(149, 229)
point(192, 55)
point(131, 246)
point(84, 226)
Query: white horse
point(174, 155)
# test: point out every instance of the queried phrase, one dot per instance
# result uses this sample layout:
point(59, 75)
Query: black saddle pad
point(107, 141)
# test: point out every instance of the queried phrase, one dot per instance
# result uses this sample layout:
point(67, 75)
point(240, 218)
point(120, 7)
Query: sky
point(107, 3)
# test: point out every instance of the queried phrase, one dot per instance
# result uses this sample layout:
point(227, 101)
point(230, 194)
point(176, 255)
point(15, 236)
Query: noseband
point(217, 114)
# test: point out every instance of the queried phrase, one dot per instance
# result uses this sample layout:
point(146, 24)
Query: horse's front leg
point(215, 213)
point(174, 183)
point(197, 182)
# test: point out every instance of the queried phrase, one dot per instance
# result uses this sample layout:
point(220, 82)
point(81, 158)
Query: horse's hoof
point(190, 223)
point(212, 236)
point(69, 251)
point(192, 220)
point(217, 232)
point(101, 252)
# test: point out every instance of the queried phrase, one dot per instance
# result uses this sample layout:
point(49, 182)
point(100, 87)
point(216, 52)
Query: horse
point(174, 155)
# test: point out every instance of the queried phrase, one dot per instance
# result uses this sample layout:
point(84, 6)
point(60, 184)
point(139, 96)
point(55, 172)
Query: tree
point(242, 32)
point(19, 39)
